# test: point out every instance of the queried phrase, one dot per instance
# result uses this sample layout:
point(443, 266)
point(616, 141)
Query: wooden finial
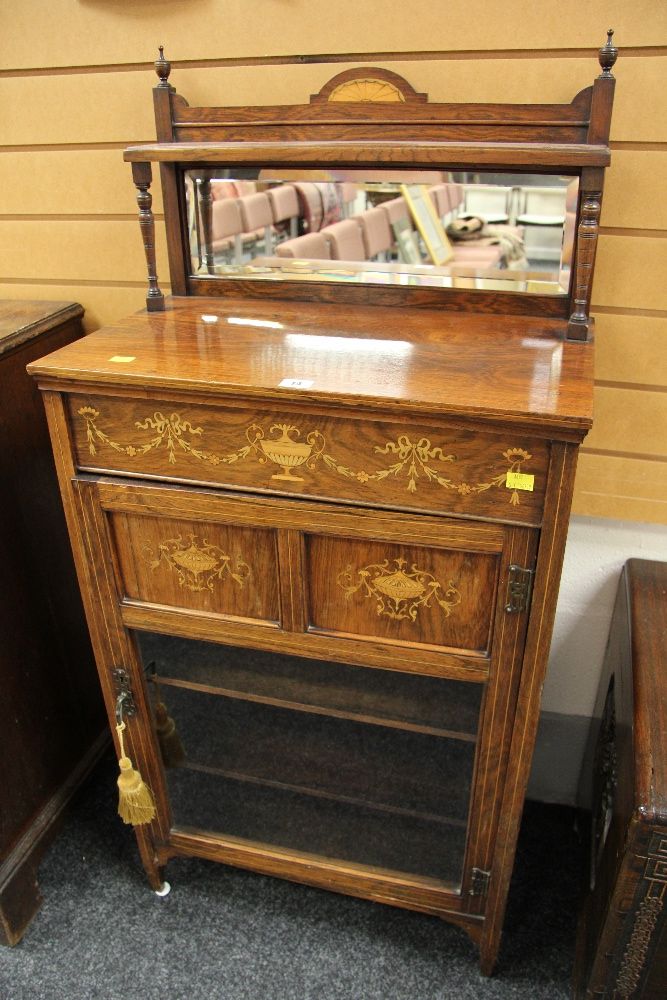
point(608, 55)
point(162, 68)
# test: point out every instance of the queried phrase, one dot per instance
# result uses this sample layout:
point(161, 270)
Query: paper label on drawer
point(520, 481)
point(295, 383)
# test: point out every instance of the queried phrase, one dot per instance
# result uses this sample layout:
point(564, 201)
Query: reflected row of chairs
point(370, 234)
point(242, 219)
point(270, 220)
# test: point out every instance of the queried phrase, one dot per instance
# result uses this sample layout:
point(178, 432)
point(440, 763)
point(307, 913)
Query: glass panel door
point(366, 766)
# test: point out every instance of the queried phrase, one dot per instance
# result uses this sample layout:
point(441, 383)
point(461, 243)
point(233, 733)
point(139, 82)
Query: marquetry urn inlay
point(398, 591)
point(198, 565)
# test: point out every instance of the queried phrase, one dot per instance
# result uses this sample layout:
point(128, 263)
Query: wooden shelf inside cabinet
point(427, 705)
point(329, 501)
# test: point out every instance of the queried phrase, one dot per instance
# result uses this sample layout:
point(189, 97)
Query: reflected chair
point(346, 240)
point(227, 226)
point(257, 219)
point(376, 233)
point(311, 209)
point(311, 246)
point(542, 213)
point(284, 203)
point(348, 192)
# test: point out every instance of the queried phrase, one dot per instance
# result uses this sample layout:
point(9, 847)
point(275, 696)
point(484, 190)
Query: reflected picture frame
point(427, 223)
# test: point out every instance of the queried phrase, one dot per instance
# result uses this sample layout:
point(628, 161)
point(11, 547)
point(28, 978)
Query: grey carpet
point(225, 934)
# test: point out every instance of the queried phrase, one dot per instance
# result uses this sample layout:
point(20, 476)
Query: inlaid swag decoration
point(285, 447)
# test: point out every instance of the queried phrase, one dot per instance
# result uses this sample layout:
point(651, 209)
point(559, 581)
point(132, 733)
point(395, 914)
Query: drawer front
point(197, 566)
point(405, 465)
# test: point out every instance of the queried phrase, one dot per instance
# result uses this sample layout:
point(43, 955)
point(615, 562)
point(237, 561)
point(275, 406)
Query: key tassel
point(135, 799)
point(171, 747)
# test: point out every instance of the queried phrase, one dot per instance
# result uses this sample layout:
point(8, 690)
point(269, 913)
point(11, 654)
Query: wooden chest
point(622, 946)
point(51, 713)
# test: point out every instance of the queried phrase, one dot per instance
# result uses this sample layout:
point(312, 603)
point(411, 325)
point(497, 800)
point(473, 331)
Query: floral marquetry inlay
point(399, 593)
point(168, 431)
point(198, 564)
point(284, 445)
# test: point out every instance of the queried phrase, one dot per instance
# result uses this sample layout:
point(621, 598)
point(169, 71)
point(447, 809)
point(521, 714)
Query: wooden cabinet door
point(343, 682)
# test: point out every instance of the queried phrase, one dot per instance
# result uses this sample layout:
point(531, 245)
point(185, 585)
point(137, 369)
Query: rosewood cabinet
point(319, 509)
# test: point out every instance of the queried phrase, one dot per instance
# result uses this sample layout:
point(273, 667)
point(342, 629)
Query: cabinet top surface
point(488, 367)
point(22, 320)
point(645, 585)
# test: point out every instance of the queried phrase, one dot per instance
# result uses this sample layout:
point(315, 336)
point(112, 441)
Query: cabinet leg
point(154, 872)
point(20, 899)
point(488, 952)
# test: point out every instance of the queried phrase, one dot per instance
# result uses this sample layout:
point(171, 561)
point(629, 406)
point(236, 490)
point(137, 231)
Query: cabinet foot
point(488, 954)
point(164, 889)
point(20, 899)
point(154, 872)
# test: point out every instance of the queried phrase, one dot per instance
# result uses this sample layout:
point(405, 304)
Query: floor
point(225, 934)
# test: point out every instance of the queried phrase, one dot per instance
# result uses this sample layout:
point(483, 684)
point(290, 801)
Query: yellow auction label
point(520, 481)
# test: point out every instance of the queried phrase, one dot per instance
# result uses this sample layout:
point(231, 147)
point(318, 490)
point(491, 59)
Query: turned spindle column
point(206, 211)
point(142, 176)
point(587, 241)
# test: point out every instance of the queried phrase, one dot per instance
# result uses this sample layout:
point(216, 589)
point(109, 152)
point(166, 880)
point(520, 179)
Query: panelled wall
point(75, 88)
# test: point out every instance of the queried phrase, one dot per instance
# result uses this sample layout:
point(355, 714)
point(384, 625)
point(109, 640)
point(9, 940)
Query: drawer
point(406, 465)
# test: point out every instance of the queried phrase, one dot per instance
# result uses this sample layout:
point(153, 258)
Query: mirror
point(503, 232)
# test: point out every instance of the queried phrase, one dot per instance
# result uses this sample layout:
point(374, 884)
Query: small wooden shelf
point(428, 705)
point(369, 152)
point(276, 818)
point(381, 770)
point(318, 793)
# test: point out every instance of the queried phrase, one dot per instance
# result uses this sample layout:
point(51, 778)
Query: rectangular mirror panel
point(420, 228)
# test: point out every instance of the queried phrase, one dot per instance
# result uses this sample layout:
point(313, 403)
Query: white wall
point(595, 553)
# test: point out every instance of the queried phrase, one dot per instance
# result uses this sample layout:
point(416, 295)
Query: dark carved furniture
point(622, 946)
point(319, 524)
point(51, 713)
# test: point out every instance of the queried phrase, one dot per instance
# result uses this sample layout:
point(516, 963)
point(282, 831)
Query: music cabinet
point(319, 506)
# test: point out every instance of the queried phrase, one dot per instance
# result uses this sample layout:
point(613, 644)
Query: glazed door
point(325, 693)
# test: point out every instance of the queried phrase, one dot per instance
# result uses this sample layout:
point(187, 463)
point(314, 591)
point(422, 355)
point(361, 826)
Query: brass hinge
point(519, 587)
point(479, 882)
